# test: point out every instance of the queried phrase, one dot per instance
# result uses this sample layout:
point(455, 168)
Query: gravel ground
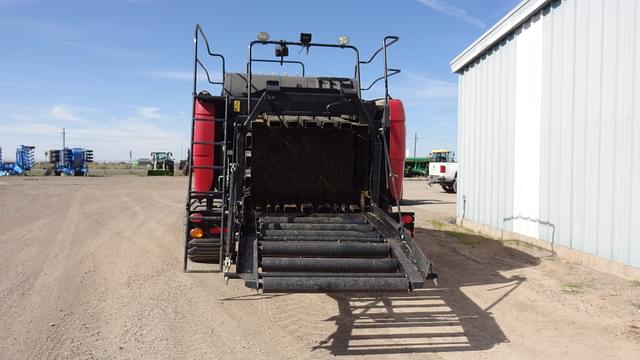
point(91, 269)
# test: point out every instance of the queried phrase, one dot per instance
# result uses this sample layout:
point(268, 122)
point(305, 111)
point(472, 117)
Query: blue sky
point(116, 73)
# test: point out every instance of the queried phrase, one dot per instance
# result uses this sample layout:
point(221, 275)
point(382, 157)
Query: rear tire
point(454, 187)
point(205, 251)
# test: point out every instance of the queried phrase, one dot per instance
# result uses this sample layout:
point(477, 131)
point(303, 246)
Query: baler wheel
point(204, 250)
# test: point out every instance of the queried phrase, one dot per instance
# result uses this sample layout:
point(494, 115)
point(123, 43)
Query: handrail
point(391, 72)
point(386, 42)
point(393, 38)
point(294, 43)
point(283, 62)
point(208, 76)
point(385, 45)
point(197, 33)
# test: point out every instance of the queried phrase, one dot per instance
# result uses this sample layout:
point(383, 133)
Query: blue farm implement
point(71, 161)
point(25, 159)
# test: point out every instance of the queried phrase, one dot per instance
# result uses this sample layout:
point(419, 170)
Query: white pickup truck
point(443, 170)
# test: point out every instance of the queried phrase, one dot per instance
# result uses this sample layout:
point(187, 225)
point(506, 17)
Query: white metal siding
point(549, 129)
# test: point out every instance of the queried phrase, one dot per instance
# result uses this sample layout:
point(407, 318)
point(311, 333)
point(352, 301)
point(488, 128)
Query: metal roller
point(324, 248)
point(333, 275)
point(328, 284)
point(375, 238)
point(329, 264)
point(314, 226)
point(355, 219)
point(336, 234)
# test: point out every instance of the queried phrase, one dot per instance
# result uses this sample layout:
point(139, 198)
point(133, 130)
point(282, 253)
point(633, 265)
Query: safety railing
point(283, 43)
point(197, 63)
point(386, 43)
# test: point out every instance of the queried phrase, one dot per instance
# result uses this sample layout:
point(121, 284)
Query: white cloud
point(171, 75)
point(148, 112)
point(423, 87)
point(115, 53)
point(62, 112)
point(448, 9)
point(182, 75)
point(436, 89)
point(13, 85)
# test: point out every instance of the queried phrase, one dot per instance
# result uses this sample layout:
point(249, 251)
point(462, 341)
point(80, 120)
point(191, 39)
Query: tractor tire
point(204, 250)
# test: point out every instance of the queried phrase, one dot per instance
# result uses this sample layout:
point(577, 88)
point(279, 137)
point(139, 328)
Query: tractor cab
point(162, 164)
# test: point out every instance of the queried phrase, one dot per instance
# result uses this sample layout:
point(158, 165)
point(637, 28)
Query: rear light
point(196, 218)
point(216, 230)
point(407, 219)
point(443, 168)
point(196, 233)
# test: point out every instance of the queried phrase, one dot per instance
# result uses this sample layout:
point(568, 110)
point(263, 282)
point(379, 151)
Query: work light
point(263, 36)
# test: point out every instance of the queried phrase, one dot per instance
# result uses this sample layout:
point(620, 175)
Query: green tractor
point(161, 164)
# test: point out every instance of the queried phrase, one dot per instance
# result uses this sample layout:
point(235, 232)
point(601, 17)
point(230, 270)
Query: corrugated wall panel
point(589, 123)
point(623, 143)
point(547, 138)
point(556, 79)
point(565, 181)
point(633, 250)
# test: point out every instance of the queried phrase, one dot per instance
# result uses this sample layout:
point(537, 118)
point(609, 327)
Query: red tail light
point(443, 168)
point(216, 230)
point(407, 219)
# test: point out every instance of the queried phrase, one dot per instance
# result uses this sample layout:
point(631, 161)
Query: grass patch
point(636, 305)
point(575, 287)
point(524, 244)
point(466, 239)
point(463, 237)
point(437, 224)
point(635, 283)
point(455, 234)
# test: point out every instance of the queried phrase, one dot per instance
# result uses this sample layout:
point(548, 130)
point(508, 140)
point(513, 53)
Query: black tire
point(454, 187)
point(204, 250)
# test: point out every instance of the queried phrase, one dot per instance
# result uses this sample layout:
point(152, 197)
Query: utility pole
point(64, 138)
point(415, 141)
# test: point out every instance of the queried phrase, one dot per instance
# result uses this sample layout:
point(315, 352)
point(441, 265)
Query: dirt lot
point(91, 268)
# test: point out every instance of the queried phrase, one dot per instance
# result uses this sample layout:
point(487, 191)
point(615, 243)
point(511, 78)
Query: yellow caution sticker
point(236, 105)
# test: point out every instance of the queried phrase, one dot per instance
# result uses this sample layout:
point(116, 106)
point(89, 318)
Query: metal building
point(549, 128)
